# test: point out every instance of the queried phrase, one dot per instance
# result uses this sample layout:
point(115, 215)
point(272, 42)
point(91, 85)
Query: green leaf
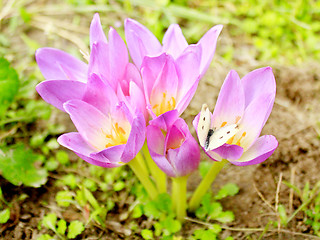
point(119, 185)
point(147, 234)
point(75, 228)
point(17, 166)
point(225, 217)
point(90, 184)
point(62, 157)
point(49, 221)
point(9, 85)
point(202, 234)
point(64, 198)
point(171, 225)
point(230, 189)
point(137, 211)
point(204, 167)
point(282, 214)
point(62, 227)
point(151, 210)
point(4, 215)
point(45, 237)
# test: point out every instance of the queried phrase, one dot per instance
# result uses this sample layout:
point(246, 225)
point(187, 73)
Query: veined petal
point(57, 92)
point(261, 150)
point(141, 42)
point(118, 56)
point(155, 140)
point(186, 158)
point(132, 74)
point(230, 104)
point(175, 137)
point(229, 152)
point(173, 41)
point(253, 121)
point(136, 138)
point(164, 121)
point(187, 66)
point(99, 62)
point(56, 64)
point(208, 45)
point(259, 82)
point(137, 99)
point(150, 69)
point(96, 31)
point(111, 155)
point(75, 142)
point(100, 94)
point(92, 124)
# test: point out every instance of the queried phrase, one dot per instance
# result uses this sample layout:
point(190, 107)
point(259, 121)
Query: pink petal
point(186, 158)
point(137, 99)
point(99, 62)
point(259, 82)
point(56, 64)
point(96, 31)
point(100, 94)
point(229, 152)
point(150, 69)
point(89, 121)
point(187, 66)
point(253, 120)
point(118, 56)
point(173, 41)
point(230, 104)
point(164, 121)
point(141, 42)
point(258, 152)
point(175, 137)
point(75, 142)
point(208, 45)
point(136, 138)
point(57, 92)
point(111, 155)
point(155, 140)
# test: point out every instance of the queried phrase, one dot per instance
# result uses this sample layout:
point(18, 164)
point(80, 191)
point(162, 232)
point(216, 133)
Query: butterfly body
point(210, 138)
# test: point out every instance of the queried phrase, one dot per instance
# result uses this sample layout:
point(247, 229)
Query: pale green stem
point(159, 176)
point(138, 170)
point(179, 196)
point(205, 184)
point(142, 163)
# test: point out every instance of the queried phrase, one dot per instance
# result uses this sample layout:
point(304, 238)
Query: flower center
point(117, 136)
point(167, 103)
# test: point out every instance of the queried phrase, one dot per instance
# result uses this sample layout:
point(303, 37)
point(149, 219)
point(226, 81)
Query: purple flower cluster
point(116, 105)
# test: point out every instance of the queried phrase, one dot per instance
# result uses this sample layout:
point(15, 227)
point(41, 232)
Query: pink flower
point(169, 84)
point(172, 146)
point(141, 42)
point(66, 76)
point(246, 102)
point(108, 134)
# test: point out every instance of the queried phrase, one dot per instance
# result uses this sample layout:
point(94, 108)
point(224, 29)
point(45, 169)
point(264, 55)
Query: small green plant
point(17, 164)
point(60, 227)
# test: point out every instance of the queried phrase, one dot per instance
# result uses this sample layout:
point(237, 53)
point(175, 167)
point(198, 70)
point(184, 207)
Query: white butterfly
point(213, 138)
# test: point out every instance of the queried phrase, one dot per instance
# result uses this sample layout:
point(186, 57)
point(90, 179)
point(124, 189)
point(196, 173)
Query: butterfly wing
point(204, 124)
point(221, 136)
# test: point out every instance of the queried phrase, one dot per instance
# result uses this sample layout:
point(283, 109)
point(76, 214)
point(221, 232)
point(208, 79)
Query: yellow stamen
point(117, 136)
point(165, 105)
point(243, 135)
point(223, 124)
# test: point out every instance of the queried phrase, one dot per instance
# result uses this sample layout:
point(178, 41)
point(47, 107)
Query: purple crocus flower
point(109, 135)
point(66, 76)
point(247, 104)
point(141, 42)
point(170, 84)
point(176, 152)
